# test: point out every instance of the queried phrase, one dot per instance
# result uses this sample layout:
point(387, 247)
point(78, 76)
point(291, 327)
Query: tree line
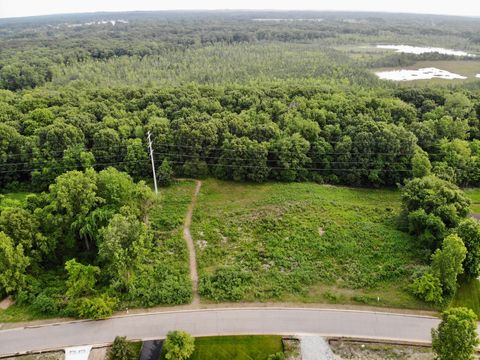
point(285, 131)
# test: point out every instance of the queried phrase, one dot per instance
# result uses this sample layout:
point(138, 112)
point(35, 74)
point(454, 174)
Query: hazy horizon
point(27, 8)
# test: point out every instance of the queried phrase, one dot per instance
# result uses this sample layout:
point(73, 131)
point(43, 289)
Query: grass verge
point(236, 347)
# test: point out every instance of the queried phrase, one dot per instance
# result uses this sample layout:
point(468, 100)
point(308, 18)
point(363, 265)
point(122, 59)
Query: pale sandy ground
point(423, 50)
point(6, 303)
point(420, 74)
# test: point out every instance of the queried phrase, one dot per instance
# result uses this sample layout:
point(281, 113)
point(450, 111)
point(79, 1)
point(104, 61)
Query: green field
point(236, 347)
point(302, 242)
point(474, 196)
point(12, 199)
point(468, 295)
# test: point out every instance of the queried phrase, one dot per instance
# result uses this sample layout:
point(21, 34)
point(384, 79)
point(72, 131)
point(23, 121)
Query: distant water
point(420, 74)
point(422, 50)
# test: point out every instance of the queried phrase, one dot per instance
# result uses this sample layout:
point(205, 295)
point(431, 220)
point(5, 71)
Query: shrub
point(277, 356)
point(96, 308)
point(428, 288)
point(225, 283)
point(179, 345)
point(121, 350)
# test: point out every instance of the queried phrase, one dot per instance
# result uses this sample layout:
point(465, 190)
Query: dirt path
point(191, 246)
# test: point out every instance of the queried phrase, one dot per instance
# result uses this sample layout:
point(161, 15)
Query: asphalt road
point(356, 324)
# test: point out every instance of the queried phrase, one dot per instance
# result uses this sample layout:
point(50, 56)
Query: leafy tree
point(179, 345)
point(456, 336)
point(421, 164)
point(447, 262)
point(23, 228)
point(165, 173)
point(469, 232)
point(123, 247)
point(13, 265)
point(243, 159)
point(290, 153)
point(429, 201)
point(136, 159)
point(121, 350)
point(81, 279)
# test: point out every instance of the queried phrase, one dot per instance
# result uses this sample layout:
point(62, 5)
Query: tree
point(179, 345)
point(13, 265)
point(469, 232)
point(136, 159)
point(433, 199)
point(20, 225)
point(165, 173)
point(421, 164)
point(122, 248)
point(456, 336)
point(243, 159)
point(121, 350)
point(290, 153)
point(81, 279)
point(447, 262)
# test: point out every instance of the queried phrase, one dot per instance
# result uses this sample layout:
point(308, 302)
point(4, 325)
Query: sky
point(15, 8)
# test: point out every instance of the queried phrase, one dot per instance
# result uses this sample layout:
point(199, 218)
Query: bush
point(428, 288)
point(96, 308)
point(45, 304)
point(277, 356)
point(225, 284)
point(121, 350)
point(179, 345)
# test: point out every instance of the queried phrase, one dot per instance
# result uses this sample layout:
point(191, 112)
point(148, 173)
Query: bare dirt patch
point(6, 303)
point(291, 349)
point(343, 350)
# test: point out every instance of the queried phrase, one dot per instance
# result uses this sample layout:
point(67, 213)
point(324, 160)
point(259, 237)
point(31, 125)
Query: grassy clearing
point(302, 242)
point(474, 196)
point(16, 313)
point(236, 347)
point(468, 295)
point(13, 199)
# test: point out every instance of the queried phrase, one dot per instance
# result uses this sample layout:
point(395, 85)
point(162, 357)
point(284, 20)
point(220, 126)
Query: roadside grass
point(474, 196)
point(136, 347)
point(468, 295)
point(302, 242)
point(236, 347)
point(17, 313)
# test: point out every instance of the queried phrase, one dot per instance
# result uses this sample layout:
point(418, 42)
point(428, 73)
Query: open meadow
point(302, 242)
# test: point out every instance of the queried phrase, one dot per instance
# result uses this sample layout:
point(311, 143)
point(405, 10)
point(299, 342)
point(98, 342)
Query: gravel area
point(315, 348)
point(351, 350)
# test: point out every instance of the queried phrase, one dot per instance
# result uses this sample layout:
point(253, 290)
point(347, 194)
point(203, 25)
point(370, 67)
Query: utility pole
point(153, 161)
